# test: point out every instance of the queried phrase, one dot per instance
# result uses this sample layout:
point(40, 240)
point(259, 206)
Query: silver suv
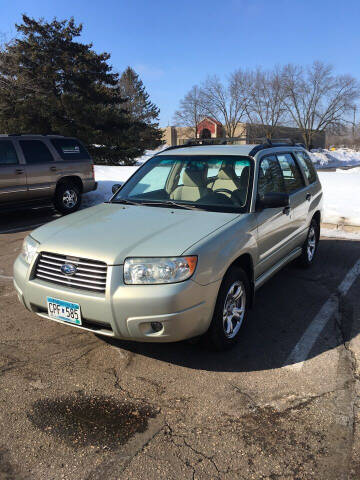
point(35, 169)
point(180, 248)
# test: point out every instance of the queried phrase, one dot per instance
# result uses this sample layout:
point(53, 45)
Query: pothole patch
point(81, 420)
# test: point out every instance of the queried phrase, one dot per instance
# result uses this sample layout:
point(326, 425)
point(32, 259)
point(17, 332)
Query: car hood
point(113, 232)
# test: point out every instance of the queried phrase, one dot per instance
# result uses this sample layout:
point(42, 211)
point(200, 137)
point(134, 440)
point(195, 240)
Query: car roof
point(243, 150)
point(211, 150)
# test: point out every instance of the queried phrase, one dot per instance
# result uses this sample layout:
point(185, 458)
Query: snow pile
point(341, 157)
point(341, 196)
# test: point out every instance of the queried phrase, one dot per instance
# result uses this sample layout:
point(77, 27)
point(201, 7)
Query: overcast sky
point(176, 44)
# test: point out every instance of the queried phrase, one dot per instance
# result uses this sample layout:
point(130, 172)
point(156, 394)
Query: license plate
point(65, 311)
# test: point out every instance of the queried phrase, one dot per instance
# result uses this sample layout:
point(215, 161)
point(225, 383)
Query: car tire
point(310, 245)
point(67, 198)
point(230, 311)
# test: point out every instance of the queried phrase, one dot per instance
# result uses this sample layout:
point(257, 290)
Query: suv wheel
point(67, 198)
point(230, 310)
point(310, 245)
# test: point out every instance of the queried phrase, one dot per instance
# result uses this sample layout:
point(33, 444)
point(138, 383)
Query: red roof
point(211, 120)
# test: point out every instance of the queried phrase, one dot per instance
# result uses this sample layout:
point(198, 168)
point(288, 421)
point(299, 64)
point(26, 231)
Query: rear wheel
point(230, 310)
point(67, 198)
point(310, 245)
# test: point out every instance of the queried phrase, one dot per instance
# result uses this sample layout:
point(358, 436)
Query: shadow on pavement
point(26, 219)
point(283, 310)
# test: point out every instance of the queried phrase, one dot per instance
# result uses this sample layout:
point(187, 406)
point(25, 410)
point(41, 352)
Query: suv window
point(292, 175)
point(35, 151)
point(307, 165)
point(7, 153)
point(70, 149)
point(270, 176)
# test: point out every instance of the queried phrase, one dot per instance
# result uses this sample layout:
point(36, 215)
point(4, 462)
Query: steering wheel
point(223, 190)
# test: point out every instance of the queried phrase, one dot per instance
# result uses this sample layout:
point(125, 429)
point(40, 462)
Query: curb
point(341, 227)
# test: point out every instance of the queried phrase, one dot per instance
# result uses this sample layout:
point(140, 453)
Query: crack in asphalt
point(169, 432)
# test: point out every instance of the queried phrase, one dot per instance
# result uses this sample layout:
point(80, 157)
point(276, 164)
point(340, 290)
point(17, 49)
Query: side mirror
point(273, 200)
point(115, 187)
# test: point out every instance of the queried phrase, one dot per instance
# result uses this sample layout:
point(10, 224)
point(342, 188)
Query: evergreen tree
point(51, 83)
point(142, 114)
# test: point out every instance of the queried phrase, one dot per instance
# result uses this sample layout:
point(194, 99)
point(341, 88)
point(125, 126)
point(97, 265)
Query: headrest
point(227, 171)
point(193, 177)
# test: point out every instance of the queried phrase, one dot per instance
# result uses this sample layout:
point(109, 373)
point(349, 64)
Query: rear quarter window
point(70, 149)
point(35, 151)
point(307, 165)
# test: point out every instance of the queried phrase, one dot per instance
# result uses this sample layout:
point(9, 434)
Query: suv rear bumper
point(127, 311)
point(89, 186)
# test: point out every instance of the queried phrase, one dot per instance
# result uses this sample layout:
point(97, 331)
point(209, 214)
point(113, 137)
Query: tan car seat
point(194, 186)
point(227, 179)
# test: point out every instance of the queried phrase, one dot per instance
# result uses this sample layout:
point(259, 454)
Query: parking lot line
point(5, 277)
point(299, 354)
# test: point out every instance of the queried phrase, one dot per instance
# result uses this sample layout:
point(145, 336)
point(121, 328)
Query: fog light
point(156, 326)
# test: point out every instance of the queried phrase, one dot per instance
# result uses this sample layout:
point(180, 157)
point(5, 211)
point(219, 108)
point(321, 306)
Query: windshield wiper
point(168, 203)
point(171, 203)
point(126, 202)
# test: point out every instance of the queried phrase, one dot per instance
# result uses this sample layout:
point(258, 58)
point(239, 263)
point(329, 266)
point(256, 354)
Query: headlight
point(140, 271)
point(29, 249)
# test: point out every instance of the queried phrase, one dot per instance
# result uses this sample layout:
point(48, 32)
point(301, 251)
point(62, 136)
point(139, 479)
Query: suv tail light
point(93, 171)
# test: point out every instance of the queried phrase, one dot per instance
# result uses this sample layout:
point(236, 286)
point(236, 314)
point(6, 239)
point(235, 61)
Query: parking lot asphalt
point(282, 405)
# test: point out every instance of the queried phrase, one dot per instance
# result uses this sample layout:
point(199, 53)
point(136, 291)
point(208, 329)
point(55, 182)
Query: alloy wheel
point(234, 309)
point(69, 198)
point(311, 243)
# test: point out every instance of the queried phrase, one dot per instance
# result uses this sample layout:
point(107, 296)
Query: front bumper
point(126, 311)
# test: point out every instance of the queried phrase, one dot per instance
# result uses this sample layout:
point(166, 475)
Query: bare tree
point(266, 109)
point(227, 103)
point(191, 110)
point(316, 99)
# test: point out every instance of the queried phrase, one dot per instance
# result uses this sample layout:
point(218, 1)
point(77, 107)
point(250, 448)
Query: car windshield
point(208, 182)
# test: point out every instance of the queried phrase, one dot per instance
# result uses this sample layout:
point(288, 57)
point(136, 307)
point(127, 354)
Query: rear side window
point(307, 165)
point(35, 151)
point(270, 176)
point(7, 153)
point(292, 175)
point(70, 149)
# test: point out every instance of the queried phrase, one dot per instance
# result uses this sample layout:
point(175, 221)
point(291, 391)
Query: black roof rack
point(262, 143)
point(275, 142)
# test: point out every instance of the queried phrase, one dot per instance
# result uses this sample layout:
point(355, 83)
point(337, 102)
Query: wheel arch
point(245, 261)
point(71, 179)
point(317, 218)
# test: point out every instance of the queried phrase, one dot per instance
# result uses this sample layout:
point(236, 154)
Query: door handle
point(18, 171)
point(308, 197)
point(286, 210)
point(53, 169)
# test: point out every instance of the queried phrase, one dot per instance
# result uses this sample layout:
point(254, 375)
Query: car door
point(274, 225)
point(298, 192)
point(12, 174)
point(42, 170)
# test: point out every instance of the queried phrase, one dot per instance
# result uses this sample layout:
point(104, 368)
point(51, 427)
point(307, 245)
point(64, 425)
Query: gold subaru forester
point(180, 248)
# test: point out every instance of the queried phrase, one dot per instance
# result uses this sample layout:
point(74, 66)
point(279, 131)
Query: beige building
point(249, 133)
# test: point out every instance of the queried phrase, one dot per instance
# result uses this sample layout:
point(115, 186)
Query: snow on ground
point(340, 157)
point(341, 196)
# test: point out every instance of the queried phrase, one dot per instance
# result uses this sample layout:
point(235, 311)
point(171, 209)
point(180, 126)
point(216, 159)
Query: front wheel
point(67, 198)
point(230, 311)
point(310, 245)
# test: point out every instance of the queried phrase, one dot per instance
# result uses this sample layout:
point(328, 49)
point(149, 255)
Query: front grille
point(90, 274)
